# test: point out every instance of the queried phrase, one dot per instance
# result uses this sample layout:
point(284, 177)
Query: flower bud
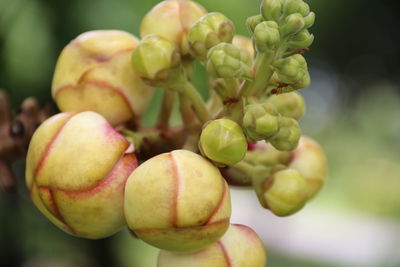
point(228, 61)
point(154, 57)
point(292, 24)
point(177, 201)
point(253, 21)
point(271, 9)
point(310, 161)
point(208, 31)
point(244, 43)
point(172, 20)
point(223, 141)
point(76, 170)
point(309, 20)
point(288, 135)
point(284, 193)
point(291, 69)
point(266, 36)
point(260, 121)
point(240, 244)
point(301, 40)
point(93, 72)
point(289, 105)
point(295, 6)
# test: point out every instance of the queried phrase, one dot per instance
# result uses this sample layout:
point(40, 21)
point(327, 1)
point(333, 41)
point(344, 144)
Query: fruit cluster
point(94, 168)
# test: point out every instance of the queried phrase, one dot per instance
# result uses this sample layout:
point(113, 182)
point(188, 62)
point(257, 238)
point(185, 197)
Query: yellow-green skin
point(310, 161)
point(76, 169)
point(286, 194)
point(172, 20)
point(223, 141)
point(177, 201)
point(239, 247)
point(94, 73)
point(245, 43)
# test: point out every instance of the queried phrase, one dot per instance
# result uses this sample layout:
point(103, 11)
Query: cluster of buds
point(94, 168)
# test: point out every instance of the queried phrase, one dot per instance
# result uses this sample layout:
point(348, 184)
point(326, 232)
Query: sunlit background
point(353, 110)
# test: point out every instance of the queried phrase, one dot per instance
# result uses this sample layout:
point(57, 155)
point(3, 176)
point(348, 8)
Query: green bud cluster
point(208, 31)
point(288, 136)
point(291, 70)
point(260, 121)
point(229, 61)
point(291, 20)
point(289, 105)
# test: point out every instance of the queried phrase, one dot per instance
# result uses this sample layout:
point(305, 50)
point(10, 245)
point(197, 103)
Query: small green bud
point(286, 193)
point(292, 24)
point(304, 82)
point(266, 35)
point(253, 21)
point(288, 135)
point(228, 61)
point(301, 40)
point(260, 121)
point(271, 9)
point(208, 31)
point(309, 20)
point(223, 141)
point(289, 105)
point(154, 57)
point(295, 6)
point(291, 69)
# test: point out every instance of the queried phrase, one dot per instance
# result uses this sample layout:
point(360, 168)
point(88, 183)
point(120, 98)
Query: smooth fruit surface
point(76, 170)
point(177, 201)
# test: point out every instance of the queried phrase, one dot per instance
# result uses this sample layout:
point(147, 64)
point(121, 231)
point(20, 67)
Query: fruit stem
point(166, 109)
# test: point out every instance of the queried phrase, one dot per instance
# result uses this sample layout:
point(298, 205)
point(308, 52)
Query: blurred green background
point(353, 111)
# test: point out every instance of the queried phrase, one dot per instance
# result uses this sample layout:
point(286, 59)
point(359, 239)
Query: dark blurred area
point(353, 110)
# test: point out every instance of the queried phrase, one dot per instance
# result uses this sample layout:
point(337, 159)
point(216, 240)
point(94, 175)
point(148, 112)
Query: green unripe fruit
point(154, 57)
point(271, 9)
point(266, 35)
point(292, 24)
point(229, 61)
point(289, 105)
point(286, 194)
point(288, 136)
point(208, 31)
point(223, 141)
point(177, 201)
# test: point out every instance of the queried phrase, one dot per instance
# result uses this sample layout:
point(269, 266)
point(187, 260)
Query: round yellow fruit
point(177, 201)
point(76, 169)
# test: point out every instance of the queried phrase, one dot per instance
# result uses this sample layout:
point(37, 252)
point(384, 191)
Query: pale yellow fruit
point(94, 73)
point(310, 161)
point(239, 247)
point(76, 169)
point(172, 20)
point(177, 201)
